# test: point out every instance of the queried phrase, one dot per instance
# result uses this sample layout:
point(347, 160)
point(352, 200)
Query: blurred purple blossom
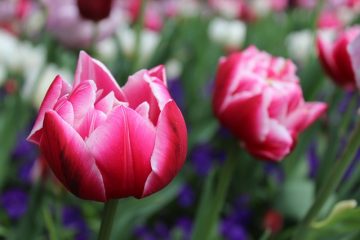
point(15, 202)
point(275, 170)
point(143, 233)
point(313, 160)
point(162, 231)
point(185, 224)
point(203, 157)
point(73, 219)
point(186, 196)
point(177, 92)
point(344, 103)
point(231, 230)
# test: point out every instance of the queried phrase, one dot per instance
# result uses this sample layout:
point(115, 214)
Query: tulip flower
point(95, 10)
point(259, 99)
point(334, 55)
point(79, 27)
point(105, 142)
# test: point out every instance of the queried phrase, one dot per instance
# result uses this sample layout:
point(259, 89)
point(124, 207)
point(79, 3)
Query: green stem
point(207, 224)
point(266, 235)
point(331, 183)
point(107, 219)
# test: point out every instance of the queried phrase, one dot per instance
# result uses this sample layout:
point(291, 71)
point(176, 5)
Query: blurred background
point(42, 38)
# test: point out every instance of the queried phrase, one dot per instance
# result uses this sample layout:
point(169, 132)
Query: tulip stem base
point(107, 219)
point(330, 183)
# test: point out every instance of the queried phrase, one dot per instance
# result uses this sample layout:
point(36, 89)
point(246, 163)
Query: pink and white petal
point(138, 90)
point(354, 51)
point(143, 109)
point(305, 115)
point(106, 103)
point(228, 68)
point(170, 149)
point(65, 110)
point(122, 147)
point(325, 50)
point(277, 145)
point(91, 69)
point(159, 73)
point(58, 88)
point(82, 98)
point(247, 117)
point(93, 119)
point(160, 92)
point(68, 157)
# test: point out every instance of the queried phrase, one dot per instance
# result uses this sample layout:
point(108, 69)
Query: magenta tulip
point(259, 99)
point(335, 58)
point(105, 142)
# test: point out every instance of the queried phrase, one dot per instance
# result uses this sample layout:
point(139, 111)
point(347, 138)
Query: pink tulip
point(334, 56)
point(104, 142)
point(66, 23)
point(259, 99)
point(354, 51)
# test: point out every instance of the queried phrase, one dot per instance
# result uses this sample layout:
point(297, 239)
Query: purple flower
point(186, 196)
point(185, 224)
point(232, 231)
point(73, 219)
point(203, 157)
point(177, 92)
point(143, 233)
point(23, 148)
point(161, 231)
point(241, 212)
point(274, 170)
point(313, 160)
point(25, 172)
point(15, 203)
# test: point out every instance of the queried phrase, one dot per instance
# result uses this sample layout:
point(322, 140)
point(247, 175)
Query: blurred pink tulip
point(259, 99)
point(335, 58)
point(354, 51)
point(104, 142)
point(66, 23)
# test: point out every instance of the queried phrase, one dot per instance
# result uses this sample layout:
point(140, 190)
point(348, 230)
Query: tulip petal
point(277, 145)
point(122, 147)
point(225, 74)
point(305, 115)
point(106, 103)
point(82, 98)
point(251, 111)
point(325, 50)
point(170, 148)
point(142, 88)
point(354, 51)
point(91, 69)
point(69, 158)
point(159, 72)
point(57, 89)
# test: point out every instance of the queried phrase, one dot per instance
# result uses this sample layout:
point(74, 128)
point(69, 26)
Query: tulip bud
point(94, 10)
point(273, 221)
point(333, 51)
point(259, 99)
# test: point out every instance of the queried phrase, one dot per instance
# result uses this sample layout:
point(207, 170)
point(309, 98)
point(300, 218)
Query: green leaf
point(344, 216)
point(296, 197)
